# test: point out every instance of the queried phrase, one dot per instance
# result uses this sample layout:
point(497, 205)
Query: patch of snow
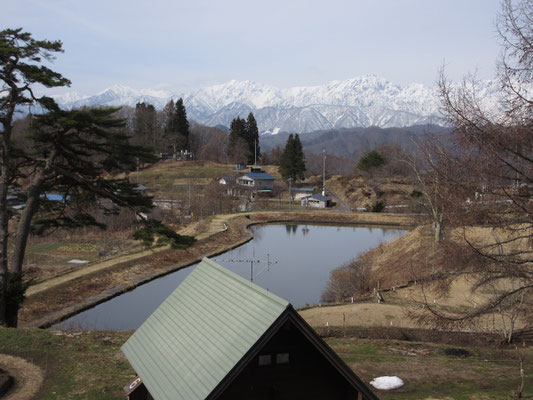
point(75, 261)
point(387, 382)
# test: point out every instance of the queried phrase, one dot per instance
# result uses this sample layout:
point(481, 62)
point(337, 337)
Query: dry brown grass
point(48, 256)
point(358, 193)
point(412, 258)
point(358, 314)
point(28, 377)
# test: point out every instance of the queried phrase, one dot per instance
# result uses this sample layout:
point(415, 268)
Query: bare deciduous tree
point(490, 171)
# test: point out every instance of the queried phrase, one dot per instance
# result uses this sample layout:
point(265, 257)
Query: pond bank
point(220, 235)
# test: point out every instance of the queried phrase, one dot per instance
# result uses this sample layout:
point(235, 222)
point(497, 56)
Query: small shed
point(317, 200)
point(299, 193)
point(218, 336)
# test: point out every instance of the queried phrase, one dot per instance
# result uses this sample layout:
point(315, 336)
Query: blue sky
point(180, 46)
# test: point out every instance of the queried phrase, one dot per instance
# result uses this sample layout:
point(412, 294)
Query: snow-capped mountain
point(116, 95)
point(360, 102)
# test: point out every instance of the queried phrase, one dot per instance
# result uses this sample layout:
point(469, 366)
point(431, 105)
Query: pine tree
point(67, 152)
point(371, 161)
point(253, 138)
point(244, 131)
point(168, 111)
point(285, 163)
point(145, 125)
point(238, 148)
point(292, 162)
point(299, 158)
point(177, 128)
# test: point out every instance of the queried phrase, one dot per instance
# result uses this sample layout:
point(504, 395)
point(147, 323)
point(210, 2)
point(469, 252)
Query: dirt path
point(216, 225)
point(342, 206)
point(28, 377)
point(89, 269)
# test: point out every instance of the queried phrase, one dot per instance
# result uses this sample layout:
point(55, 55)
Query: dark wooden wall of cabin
point(140, 393)
point(308, 375)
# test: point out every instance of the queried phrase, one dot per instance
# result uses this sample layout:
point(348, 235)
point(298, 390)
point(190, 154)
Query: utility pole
point(138, 162)
point(290, 192)
point(324, 172)
point(255, 152)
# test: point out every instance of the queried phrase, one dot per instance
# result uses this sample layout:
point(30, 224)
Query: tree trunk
point(5, 176)
point(4, 234)
point(24, 224)
point(21, 239)
point(437, 227)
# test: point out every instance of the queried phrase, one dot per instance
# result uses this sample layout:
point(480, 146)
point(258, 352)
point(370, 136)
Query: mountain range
point(360, 102)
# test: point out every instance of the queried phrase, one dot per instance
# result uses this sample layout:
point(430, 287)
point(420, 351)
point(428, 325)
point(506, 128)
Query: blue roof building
point(257, 179)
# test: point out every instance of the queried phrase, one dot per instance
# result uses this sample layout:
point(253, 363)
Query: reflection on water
point(290, 260)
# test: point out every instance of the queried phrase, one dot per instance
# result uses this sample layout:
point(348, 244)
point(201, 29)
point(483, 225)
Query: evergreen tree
point(168, 111)
point(177, 128)
point(253, 138)
point(145, 125)
point(371, 161)
point(238, 148)
point(67, 152)
point(299, 158)
point(292, 161)
point(246, 131)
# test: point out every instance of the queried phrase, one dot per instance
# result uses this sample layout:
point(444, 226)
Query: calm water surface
point(301, 257)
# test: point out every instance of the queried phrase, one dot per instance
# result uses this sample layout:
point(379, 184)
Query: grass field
point(90, 365)
point(49, 256)
point(168, 177)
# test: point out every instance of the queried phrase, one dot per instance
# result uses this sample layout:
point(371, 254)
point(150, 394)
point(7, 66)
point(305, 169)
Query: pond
point(291, 260)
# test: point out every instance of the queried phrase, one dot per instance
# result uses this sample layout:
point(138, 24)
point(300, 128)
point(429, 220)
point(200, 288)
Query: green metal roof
point(200, 332)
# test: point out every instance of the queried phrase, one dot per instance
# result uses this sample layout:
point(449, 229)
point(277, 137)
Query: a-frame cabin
point(218, 336)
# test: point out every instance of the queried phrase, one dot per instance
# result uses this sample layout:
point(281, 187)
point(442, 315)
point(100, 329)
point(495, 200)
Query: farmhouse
point(218, 336)
point(257, 179)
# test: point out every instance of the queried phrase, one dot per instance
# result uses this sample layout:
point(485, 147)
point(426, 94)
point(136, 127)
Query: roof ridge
point(244, 281)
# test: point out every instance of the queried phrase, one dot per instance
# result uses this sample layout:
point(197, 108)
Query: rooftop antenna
point(253, 261)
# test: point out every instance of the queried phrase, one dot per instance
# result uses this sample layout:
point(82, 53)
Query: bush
point(371, 160)
point(165, 235)
point(378, 207)
point(523, 191)
point(347, 280)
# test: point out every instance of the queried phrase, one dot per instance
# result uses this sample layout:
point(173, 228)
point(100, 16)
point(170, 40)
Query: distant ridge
point(359, 102)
